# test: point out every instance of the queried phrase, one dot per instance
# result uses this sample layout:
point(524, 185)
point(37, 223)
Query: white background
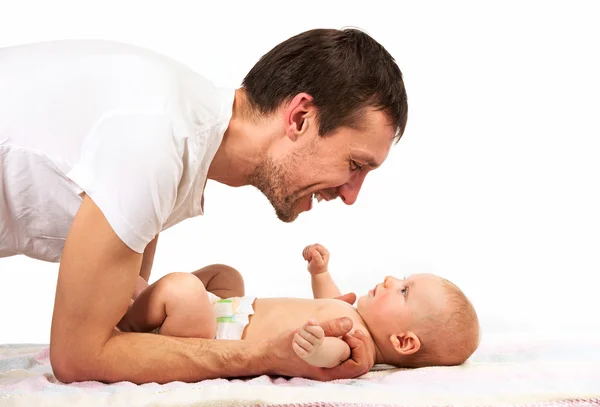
point(493, 186)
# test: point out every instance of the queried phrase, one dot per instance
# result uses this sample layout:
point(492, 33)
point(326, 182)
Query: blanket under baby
point(507, 370)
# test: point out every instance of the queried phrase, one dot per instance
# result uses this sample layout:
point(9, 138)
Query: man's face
point(324, 167)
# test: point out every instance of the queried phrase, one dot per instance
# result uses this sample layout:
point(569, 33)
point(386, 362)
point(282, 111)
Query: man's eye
point(354, 165)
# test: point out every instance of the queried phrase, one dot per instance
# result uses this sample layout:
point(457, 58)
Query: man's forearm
point(323, 286)
point(145, 357)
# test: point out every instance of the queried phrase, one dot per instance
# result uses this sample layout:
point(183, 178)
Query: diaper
point(232, 314)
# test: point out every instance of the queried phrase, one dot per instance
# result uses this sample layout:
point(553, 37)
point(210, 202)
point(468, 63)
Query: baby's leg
point(177, 303)
point(221, 280)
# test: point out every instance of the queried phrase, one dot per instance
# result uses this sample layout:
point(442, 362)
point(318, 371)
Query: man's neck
point(245, 142)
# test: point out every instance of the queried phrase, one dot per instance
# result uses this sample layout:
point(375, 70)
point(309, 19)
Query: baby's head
point(423, 320)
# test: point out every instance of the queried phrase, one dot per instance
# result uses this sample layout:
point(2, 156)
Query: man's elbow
point(68, 366)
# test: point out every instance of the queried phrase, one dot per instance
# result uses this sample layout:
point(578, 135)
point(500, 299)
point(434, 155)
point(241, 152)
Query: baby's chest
point(338, 309)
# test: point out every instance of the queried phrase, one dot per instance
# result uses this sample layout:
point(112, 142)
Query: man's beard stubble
point(274, 181)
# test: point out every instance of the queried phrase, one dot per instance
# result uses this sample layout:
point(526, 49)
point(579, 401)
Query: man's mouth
point(318, 196)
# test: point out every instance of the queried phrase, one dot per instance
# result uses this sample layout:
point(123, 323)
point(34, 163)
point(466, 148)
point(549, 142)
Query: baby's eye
point(404, 291)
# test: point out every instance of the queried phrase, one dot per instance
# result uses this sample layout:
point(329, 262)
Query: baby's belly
point(274, 316)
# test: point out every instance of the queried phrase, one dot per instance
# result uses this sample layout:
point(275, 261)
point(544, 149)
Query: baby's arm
point(323, 285)
point(311, 345)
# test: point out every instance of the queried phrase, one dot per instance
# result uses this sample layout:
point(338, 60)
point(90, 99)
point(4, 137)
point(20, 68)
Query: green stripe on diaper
point(225, 301)
point(229, 319)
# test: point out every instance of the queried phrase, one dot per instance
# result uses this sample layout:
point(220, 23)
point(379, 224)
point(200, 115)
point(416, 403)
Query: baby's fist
point(317, 257)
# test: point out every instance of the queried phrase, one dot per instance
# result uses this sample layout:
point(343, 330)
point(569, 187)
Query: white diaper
point(232, 314)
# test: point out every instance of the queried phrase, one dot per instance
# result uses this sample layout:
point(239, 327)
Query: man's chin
point(289, 214)
point(287, 218)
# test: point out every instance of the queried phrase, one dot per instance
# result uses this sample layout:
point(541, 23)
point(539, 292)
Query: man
point(104, 145)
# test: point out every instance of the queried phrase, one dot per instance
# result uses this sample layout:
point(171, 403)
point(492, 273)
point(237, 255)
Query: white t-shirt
point(134, 130)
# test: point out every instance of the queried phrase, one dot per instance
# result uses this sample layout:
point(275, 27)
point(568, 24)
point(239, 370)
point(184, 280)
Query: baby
point(422, 320)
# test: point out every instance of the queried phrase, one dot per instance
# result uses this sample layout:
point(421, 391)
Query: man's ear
point(405, 343)
point(297, 115)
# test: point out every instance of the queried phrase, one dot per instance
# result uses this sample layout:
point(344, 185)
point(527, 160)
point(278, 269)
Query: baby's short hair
point(449, 337)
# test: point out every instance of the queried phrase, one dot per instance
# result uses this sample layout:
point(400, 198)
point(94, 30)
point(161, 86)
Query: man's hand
point(285, 362)
point(317, 257)
point(350, 298)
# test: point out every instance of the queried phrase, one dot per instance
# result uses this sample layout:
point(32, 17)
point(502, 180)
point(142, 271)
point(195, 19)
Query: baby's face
point(395, 305)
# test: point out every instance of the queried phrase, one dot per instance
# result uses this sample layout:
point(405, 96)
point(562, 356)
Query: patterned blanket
point(507, 370)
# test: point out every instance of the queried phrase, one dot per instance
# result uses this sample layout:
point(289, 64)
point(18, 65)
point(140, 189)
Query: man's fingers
point(337, 327)
point(363, 349)
point(350, 298)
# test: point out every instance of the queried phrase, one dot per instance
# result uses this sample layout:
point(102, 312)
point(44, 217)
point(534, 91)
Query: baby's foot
point(307, 342)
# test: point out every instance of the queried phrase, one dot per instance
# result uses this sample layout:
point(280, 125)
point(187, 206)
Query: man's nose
point(349, 191)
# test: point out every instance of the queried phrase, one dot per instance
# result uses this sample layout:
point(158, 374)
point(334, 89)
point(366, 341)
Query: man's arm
point(147, 261)
point(96, 277)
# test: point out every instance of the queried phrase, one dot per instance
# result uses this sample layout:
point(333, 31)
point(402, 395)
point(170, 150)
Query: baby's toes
point(317, 334)
point(300, 351)
point(301, 341)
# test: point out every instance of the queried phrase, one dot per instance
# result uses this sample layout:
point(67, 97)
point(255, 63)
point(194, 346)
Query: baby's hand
point(317, 257)
point(307, 341)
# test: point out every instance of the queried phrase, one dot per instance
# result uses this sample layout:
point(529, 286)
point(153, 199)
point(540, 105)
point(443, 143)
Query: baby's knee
point(231, 274)
point(222, 280)
point(181, 286)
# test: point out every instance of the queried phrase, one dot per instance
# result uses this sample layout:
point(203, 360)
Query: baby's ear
point(405, 343)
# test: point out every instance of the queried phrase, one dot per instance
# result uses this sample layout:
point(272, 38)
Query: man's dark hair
point(345, 71)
